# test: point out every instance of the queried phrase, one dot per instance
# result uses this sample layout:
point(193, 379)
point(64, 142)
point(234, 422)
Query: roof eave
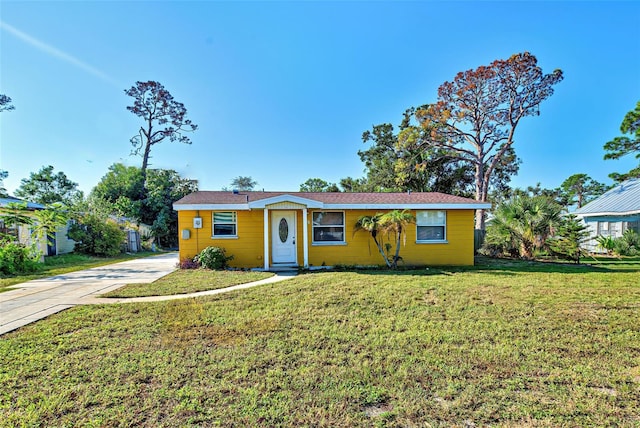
point(607, 213)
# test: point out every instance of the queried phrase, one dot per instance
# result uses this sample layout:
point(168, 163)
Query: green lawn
point(502, 344)
point(65, 263)
point(188, 281)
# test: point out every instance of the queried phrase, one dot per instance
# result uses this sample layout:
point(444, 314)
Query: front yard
point(501, 344)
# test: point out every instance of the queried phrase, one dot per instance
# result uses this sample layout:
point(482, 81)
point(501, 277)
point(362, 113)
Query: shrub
point(213, 258)
point(17, 258)
point(628, 244)
point(97, 237)
point(189, 263)
point(607, 243)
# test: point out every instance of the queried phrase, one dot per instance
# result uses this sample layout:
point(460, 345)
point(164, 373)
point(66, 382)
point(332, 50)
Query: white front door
point(283, 237)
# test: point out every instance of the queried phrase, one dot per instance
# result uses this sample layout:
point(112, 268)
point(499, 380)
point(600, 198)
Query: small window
point(632, 225)
point(224, 224)
point(431, 226)
point(328, 226)
point(9, 229)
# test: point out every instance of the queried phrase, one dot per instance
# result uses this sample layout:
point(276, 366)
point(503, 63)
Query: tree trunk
point(381, 250)
point(481, 194)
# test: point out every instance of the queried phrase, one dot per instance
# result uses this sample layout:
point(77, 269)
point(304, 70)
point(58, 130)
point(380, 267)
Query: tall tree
point(164, 118)
point(626, 144)
point(164, 187)
point(120, 188)
point(476, 115)
point(401, 161)
point(244, 184)
point(350, 184)
point(5, 103)
point(3, 191)
point(318, 185)
point(580, 189)
point(396, 163)
point(45, 187)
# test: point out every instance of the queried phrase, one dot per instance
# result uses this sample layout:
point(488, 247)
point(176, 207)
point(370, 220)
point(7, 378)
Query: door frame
point(274, 237)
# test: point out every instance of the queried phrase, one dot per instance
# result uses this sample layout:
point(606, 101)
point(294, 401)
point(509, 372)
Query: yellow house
point(268, 230)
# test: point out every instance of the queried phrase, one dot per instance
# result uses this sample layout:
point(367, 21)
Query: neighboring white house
point(612, 213)
point(59, 245)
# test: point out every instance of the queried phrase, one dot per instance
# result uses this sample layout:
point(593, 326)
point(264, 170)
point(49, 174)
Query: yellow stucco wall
point(359, 248)
point(247, 248)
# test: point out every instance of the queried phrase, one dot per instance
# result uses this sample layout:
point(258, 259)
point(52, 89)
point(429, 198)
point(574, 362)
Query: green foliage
point(628, 244)
point(243, 184)
point(371, 224)
point(125, 193)
point(501, 344)
point(15, 213)
point(318, 185)
point(626, 144)
point(521, 226)
point(350, 184)
point(45, 187)
point(95, 235)
point(213, 258)
point(398, 161)
point(580, 189)
point(189, 279)
point(3, 191)
point(607, 243)
point(17, 258)
point(123, 187)
point(48, 220)
point(394, 224)
point(5, 103)
point(569, 236)
point(478, 112)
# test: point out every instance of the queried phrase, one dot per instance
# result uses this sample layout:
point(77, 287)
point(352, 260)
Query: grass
point(188, 281)
point(502, 344)
point(65, 263)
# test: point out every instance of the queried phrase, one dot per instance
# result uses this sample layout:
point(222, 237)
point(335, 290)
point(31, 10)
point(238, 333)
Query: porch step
point(283, 269)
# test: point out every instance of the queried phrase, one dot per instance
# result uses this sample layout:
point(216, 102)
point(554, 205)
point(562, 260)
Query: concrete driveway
point(35, 300)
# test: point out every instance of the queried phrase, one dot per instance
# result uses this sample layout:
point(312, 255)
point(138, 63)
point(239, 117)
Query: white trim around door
point(284, 242)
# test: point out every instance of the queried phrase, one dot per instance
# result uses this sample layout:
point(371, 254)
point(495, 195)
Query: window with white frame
point(603, 228)
point(431, 226)
point(225, 224)
point(328, 227)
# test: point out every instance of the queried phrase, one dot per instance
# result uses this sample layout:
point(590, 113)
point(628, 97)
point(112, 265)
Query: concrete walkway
point(34, 300)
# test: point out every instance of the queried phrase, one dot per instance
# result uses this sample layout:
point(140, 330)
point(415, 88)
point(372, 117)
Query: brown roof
point(221, 197)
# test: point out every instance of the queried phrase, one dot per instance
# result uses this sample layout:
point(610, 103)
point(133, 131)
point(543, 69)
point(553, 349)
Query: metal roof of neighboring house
point(30, 205)
point(248, 200)
point(624, 199)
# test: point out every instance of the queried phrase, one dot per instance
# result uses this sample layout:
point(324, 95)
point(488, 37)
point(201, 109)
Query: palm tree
point(371, 224)
point(15, 213)
point(395, 222)
point(522, 225)
point(48, 220)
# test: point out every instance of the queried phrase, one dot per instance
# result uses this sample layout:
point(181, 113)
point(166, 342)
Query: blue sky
point(282, 91)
